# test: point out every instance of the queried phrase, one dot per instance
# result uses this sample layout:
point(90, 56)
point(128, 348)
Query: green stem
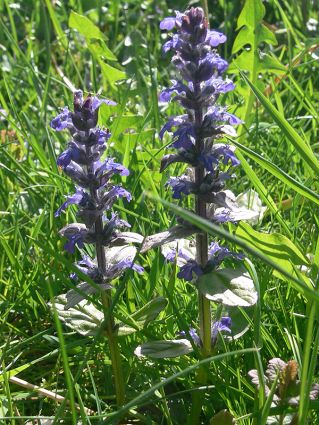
point(107, 303)
point(114, 351)
point(109, 322)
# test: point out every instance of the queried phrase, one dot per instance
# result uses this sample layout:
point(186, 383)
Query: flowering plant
point(95, 195)
point(194, 136)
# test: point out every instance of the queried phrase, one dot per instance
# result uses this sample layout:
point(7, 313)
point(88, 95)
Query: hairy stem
point(107, 302)
point(202, 239)
point(201, 258)
point(109, 321)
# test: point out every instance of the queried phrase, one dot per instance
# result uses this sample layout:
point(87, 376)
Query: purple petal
point(64, 158)
point(189, 269)
point(62, 121)
point(76, 239)
point(222, 325)
point(193, 334)
point(168, 23)
point(180, 186)
point(119, 192)
point(184, 136)
point(215, 38)
point(173, 43)
point(137, 268)
point(177, 87)
point(172, 122)
point(232, 119)
point(110, 165)
point(74, 199)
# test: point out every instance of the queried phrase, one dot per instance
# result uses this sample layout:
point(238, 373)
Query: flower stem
point(202, 238)
point(109, 321)
point(201, 258)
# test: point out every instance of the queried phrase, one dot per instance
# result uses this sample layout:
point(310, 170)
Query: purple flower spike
point(94, 194)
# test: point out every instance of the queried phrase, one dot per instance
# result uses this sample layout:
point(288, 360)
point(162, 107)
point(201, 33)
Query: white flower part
point(118, 253)
point(185, 251)
point(250, 199)
point(219, 145)
point(229, 130)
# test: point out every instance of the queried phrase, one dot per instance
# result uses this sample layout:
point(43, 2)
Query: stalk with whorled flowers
point(197, 89)
point(200, 68)
point(95, 195)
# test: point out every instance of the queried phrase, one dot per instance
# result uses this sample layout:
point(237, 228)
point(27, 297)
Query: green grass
point(42, 59)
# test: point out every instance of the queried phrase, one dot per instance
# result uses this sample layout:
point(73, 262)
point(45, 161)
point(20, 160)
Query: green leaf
point(277, 172)
point(275, 246)
point(240, 319)
point(84, 318)
point(91, 33)
point(150, 310)
point(125, 122)
point(163, 349)
point(111, 74)
point(252, 32)
point(143, 316)
point(13, 372)
point(231, 287)
point(300, 145)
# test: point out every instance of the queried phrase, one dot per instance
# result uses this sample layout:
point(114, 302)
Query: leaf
point(250, 199)
point(239, 323)
point(277, 172)
point(110, 73)
point(96, 44)
point(124, 122)
point(143, 316)
point(91, 33)
point(300, 145)
point(123, 238)
point(223, 418)
point(74, 296)
point(84, 318)
point(150, 310)
point(172, 234)
point(275, 246)
point(13, 372)
point(162, 349)
point(231, 287)
point(252, 33)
